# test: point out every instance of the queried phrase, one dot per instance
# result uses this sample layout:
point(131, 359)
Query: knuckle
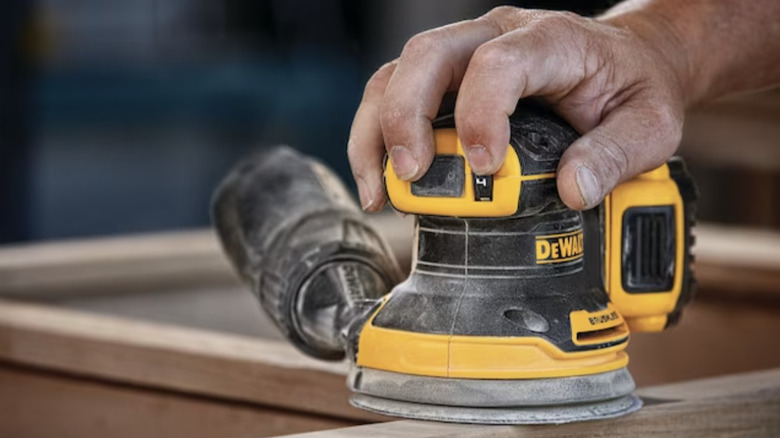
point(669, 124)
point(354, 156)
point(555, 23)
point(422, 44)
point(378, 81)
point(501, 12)
point(665, 126)
point(508, 18)
point(493, 54)
point(568, 16)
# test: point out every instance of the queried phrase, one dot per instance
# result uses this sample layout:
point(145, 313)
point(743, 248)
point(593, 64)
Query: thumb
point(629, 141)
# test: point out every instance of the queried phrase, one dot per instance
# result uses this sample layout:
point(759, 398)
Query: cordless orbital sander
point(517, 309)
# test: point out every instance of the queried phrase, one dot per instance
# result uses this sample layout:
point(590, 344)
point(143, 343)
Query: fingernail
point(480, 159)
point(404, 163)
point(588, 184)
point(366, 199)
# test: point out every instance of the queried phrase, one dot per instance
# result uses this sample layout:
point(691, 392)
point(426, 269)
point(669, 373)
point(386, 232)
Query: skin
point(623, 80)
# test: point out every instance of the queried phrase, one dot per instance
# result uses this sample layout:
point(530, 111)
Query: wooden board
point(712, 339)
point(37, 404)
point(114, 265)
point(738, 262)
point(742, 405)
point(730, 327)
point(198, 362)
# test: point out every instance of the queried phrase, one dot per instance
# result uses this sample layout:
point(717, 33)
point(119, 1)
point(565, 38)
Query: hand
point(613, 84)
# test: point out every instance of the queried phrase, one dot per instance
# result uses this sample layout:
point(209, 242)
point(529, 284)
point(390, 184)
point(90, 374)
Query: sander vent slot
point(648, 249)
point(601, 336)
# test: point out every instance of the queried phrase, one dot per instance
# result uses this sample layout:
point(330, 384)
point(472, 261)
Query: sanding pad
point(484, 401)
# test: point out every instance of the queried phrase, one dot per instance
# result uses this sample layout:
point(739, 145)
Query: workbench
point(153, 336)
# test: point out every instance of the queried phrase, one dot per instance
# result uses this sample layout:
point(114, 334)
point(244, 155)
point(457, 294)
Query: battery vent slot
point(648, 249)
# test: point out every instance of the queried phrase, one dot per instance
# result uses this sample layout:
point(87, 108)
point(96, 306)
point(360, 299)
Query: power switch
point(483, 188)
point(445, 178)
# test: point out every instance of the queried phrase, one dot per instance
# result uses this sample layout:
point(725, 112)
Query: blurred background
point(121, 117)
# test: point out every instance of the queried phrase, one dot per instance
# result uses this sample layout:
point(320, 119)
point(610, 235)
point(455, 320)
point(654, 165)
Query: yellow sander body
point(513, 294)
point(517, 309)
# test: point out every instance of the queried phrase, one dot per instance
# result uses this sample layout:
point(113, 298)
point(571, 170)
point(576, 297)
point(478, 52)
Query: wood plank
point(240, 369)
point(711, 339)
point(114, 265)
point(42, 405)
point(737, 261)
point(174, 358)
point(733, 385)
point(742, 405)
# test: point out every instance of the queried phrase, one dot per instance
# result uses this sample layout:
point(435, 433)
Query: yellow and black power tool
point(517, 309)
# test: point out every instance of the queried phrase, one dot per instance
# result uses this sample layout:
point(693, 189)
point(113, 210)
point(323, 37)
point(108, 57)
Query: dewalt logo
point(558, 248)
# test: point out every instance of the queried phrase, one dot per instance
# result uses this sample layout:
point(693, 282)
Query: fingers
point(431, 64)
point(365, 148)
point(574, 63)
point(400, 101)
point(527, 61)
point(635, 137)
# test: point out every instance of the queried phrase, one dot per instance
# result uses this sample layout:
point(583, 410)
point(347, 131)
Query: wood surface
point(120, 370)
point(114, 265)
point(746, 405)
point(38, 404)
point(730, 327)
point(199, 362)
point(740, 262)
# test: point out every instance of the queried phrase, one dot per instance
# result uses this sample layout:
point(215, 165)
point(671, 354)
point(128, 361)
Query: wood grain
point(114, 265)
point(43, 405)
point(735, 406)
point(199, 362)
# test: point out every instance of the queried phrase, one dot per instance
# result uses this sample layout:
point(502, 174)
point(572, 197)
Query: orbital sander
point(517, 309)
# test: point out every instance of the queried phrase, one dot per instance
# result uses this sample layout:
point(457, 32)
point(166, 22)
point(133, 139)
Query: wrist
point(668, 40)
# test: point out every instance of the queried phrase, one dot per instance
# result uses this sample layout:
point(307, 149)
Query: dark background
point(121, 116)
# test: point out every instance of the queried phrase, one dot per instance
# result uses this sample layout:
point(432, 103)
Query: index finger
point(431, 64)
